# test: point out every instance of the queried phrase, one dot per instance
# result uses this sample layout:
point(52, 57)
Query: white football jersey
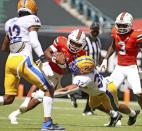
point(93, 83)
point(17, 31)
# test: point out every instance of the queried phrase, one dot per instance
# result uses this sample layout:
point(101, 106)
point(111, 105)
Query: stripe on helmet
point(24, 4)
point(79, 34)
point(122, 15)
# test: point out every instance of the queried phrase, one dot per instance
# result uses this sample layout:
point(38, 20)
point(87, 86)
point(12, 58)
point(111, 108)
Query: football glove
point(103, 66)
point(45, 67)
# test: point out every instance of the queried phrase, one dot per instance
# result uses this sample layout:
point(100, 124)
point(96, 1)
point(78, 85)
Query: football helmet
point(76, 41)
point(82, 65)
point(27, 5)
point(124, 22)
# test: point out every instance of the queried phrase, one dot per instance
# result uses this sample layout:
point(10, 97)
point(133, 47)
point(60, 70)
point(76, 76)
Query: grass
point(65, 115)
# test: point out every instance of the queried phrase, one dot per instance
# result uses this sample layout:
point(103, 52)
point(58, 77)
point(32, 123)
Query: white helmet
point(124, 22)
point(76, 41)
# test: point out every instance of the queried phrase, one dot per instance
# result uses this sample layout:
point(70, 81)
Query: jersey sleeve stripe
point(139, 37)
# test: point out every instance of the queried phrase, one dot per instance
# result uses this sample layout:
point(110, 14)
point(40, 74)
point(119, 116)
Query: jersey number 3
point(122, 48)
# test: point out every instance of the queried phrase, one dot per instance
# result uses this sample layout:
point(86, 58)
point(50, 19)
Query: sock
point(1, 100)
point(26, 102)
point(47, 106)
point(113, 113)
point(132, 113)
point(16, 113)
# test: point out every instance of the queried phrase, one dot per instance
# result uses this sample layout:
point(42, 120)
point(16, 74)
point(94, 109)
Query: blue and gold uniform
point(20, 60)
point(101, 90)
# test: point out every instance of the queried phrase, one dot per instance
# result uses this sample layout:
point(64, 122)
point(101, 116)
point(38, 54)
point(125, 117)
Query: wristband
point(43, 59)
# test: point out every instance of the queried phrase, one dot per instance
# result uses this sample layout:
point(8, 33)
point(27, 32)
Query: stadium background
point(58, 21)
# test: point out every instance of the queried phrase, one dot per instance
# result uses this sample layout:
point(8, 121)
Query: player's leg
point(123, 108)
point(11, 81)
point(130, 112)
point(103, 102)
point(134, 81)
point(32, 74)
point(87, 110)
point(30, 102)
point(117, 77)
point(109, 102)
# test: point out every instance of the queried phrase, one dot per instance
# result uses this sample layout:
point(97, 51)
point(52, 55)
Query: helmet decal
point(122, 15)
point(79, 34)
point(82, 65)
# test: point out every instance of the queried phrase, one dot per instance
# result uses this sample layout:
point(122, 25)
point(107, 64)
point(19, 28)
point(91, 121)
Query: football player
point(126, 43)
point(60, 54)
point(21, 38)
point(102, 91)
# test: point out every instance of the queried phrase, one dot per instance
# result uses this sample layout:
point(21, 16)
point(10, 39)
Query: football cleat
point(116, 125)
point(114, 120)
point(13, 119)
point(49, 126)
point(133, 119)
point(73, 101)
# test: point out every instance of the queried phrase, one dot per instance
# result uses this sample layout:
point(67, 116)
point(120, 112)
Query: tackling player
point(102, 92)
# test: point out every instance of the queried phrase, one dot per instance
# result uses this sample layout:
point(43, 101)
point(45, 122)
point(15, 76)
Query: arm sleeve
point(32, 20)
point(35, 43)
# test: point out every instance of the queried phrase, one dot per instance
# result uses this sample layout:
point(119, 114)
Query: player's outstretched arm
point(71, 89)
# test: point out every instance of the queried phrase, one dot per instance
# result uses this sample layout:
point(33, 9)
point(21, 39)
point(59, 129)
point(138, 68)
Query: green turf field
point(65, 115)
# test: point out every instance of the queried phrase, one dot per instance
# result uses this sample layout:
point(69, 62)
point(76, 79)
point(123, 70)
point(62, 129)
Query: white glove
point(45, 67)
point(103, 66)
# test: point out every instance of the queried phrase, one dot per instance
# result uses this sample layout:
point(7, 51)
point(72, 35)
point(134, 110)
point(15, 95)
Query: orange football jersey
point(127, 46)
point(60, 43)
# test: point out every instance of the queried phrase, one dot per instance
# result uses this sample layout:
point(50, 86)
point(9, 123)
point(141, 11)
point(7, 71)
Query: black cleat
point(113, 121)
point(73, 101)
point(133, 119)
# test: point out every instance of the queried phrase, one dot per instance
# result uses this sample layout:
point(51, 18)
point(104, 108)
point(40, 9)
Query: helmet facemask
point(75, 47)
point(76, 41)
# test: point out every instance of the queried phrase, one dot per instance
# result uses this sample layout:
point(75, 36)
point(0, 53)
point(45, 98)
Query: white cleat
point(13, 119)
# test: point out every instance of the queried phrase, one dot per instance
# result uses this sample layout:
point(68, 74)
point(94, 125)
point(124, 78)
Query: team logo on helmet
point(82, 65)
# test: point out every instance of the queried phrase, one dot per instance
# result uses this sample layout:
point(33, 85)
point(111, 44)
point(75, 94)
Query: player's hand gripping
point(104, 66)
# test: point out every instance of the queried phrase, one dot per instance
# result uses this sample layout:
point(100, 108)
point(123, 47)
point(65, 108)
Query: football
point(59, 57)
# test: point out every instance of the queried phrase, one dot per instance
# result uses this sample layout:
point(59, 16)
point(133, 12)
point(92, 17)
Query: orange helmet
point(27, 5)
